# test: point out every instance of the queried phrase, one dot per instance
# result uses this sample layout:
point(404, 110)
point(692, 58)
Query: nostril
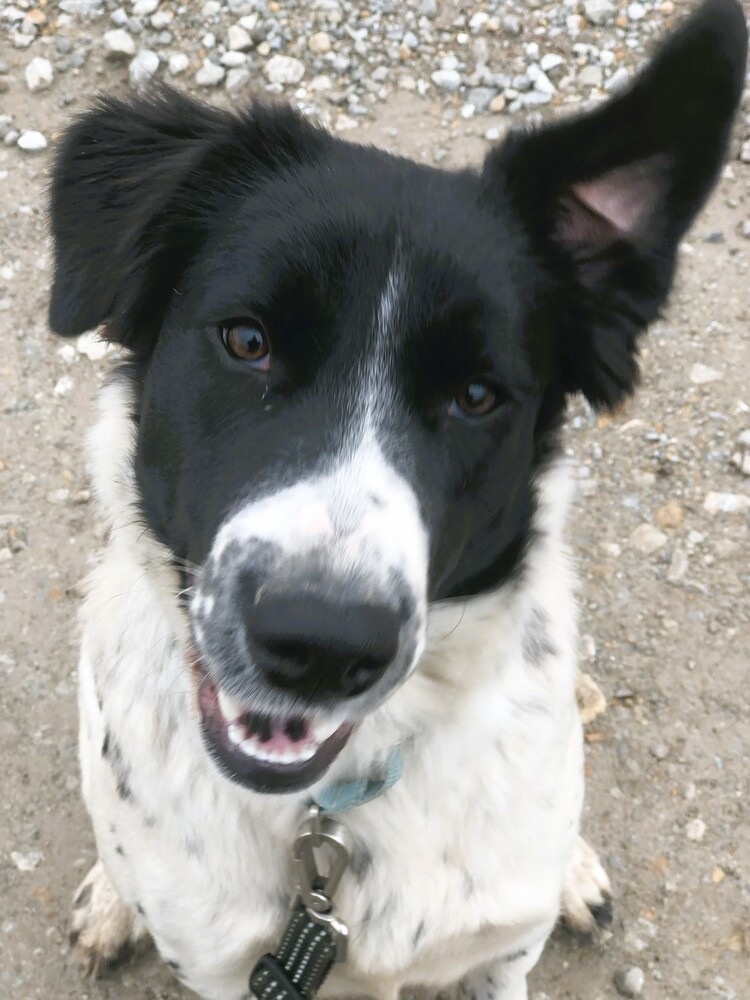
point(321, 649)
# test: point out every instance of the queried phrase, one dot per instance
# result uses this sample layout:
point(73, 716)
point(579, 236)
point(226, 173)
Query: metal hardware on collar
point(315, 938)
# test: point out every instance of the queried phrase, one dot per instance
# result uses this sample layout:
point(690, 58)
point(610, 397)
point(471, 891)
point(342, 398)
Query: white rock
point(741, 458)
point(322, 82)
point(702, 374)
point(745, 152)
point(478, 20)
point(143, 67)
point(39, 74)
point(678, 567)
point(67, 352)
point(447, 79)
point(26, 862)
point(31, 141)
point(591, 76)
point(237, 80)
point(63, 386)
point(238, 39)
point(92, 346)
point(119, 44)
point(636, 11)
point(210, 74)
point(142, 8)
point(695, 829)
point(319, 43)
point(647, 539)
point(630, 982)
point(550, 61)
point(284, 70)
point(178, 63)
point(233, 60)
point(542, 83)
point(161, 19)
point(620, 78)
point(250, 21)
point(344, 123)
point(726, 503)
point(599, 11)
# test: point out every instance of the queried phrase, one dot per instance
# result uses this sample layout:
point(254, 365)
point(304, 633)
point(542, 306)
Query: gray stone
point(590, 76)
point(428, 8)
point(599, 11)
point(446, 79)
point(233, 60)
point(284, 70)
point(239, 39)
point(143, 67)
point(210, 74)
point(647, 539)
point(636, 11)
point(480, 97)
point(118, 44)
point(237, 80)
point(142, 8)
point(511, 25)
point(630, 982)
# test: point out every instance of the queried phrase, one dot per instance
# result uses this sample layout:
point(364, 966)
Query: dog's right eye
point(247, 341)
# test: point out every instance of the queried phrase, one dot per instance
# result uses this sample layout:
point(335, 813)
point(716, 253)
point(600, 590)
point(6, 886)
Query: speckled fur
point(460, 867)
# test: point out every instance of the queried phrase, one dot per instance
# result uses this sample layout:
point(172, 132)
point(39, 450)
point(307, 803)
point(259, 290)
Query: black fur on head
point(537, 274)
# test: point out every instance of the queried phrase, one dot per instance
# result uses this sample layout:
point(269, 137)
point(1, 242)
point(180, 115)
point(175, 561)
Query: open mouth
point(267, 753)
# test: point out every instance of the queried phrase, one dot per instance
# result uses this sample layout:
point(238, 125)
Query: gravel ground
point(661, 522)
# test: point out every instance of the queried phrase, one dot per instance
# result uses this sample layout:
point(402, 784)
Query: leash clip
point(317, 837)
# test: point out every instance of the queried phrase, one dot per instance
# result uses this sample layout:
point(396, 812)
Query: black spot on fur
point(536, 641)
point(112, 753)
point(83, 896)
point(139, 910)
point(515, 955)
point(119, 850)
point(360, 861)
point(418, 934)
point(174, 966)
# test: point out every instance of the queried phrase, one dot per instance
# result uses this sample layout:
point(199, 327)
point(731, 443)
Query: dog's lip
point(251, 772)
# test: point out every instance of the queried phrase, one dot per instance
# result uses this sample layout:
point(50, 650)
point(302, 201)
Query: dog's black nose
point(320, 649)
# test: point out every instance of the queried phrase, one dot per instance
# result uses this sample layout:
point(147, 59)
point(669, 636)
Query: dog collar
point(341, 796)
point(315, 938)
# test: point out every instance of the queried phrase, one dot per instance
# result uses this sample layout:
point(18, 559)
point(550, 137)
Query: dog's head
point(349, 368)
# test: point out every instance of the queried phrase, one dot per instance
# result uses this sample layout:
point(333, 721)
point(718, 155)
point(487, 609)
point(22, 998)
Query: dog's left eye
point(475, 399)
point(247, 341)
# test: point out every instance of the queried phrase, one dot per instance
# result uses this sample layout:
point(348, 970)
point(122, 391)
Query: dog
point(331, 468)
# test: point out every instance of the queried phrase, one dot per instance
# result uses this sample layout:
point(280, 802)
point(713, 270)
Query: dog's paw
point(103, 930)
point(587, 894)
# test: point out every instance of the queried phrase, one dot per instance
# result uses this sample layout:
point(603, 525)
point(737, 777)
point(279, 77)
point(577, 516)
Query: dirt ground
point(668, 632)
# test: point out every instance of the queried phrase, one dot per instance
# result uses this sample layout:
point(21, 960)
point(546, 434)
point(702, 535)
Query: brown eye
point(247, 342)
point(474, 400)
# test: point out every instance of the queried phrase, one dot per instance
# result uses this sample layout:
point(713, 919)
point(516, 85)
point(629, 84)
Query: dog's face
point(350, 368)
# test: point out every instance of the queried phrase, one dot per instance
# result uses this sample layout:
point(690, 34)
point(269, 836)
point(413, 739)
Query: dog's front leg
point(503, 979)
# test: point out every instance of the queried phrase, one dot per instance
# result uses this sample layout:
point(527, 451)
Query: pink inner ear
point(612, 206)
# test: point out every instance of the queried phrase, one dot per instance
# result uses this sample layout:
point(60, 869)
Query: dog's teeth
point(236, 734)
point(320, 731)
point(230, 708)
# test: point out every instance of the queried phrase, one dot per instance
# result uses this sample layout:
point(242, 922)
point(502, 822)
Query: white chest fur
point(460, 862)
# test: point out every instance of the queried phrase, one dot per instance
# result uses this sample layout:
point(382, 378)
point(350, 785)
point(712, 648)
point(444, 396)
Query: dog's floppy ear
point(133, 184)
point(607, 196)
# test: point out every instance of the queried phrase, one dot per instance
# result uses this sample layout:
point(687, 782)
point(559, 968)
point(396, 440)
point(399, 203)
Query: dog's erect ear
point(607, 196)
point(133, 184)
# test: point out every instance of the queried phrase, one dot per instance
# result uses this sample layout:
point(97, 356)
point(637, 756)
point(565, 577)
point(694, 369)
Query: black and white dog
point(331, 471)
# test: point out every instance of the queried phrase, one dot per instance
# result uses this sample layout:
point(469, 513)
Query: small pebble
point(695, 830)
point(284, 70)
point(630, 982)
point(31, 141)
point(143, 67)
point(118, 44)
